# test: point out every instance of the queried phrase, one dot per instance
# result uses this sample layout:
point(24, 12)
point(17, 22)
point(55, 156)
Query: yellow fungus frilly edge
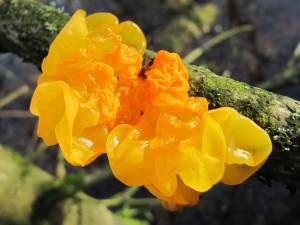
point(94, 97)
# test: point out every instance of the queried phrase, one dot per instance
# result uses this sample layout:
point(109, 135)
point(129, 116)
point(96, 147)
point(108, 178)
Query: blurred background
point(256, 42)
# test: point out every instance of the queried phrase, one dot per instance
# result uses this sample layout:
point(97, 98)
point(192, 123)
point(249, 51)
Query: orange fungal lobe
point(94, 97)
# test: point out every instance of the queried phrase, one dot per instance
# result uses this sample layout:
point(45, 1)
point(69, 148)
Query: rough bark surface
point(28, 27)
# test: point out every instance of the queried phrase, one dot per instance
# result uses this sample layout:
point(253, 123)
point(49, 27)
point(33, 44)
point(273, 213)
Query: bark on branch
point(28, 27)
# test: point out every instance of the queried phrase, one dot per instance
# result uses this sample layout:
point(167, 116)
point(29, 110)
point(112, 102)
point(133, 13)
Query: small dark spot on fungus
point(142, 74)
point(141, 113)
point(150, 63)
point(143, 70)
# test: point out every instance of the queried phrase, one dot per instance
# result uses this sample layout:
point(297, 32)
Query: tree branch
point(28, 27)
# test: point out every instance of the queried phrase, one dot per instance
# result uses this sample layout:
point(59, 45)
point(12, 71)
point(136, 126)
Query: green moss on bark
point(28, 27)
